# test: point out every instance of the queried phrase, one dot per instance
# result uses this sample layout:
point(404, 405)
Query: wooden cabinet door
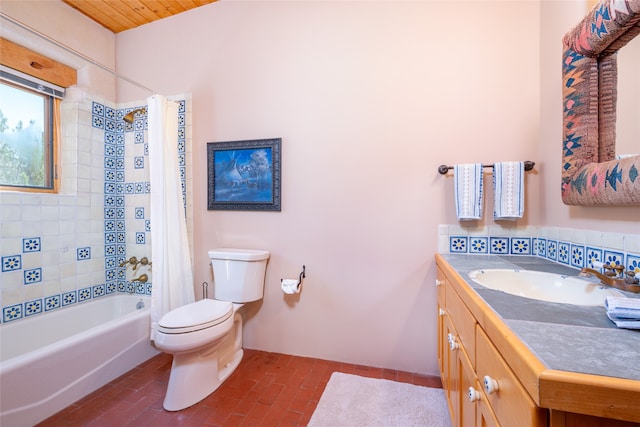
point(486, 417)
point(452, 373)
point(441, 313)
point(468, 379)
point(507, 397)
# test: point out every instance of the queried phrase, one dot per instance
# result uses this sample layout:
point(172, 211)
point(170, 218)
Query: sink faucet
point(629, 283)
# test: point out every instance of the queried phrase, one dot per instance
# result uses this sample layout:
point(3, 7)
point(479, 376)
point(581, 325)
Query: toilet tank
point(238, 274)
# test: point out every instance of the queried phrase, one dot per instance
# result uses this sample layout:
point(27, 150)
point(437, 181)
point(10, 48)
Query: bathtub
point(51, 360)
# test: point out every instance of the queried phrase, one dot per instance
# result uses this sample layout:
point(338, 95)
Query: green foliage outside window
point(25, 159)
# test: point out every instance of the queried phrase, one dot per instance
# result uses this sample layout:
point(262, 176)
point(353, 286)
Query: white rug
point(354, 401)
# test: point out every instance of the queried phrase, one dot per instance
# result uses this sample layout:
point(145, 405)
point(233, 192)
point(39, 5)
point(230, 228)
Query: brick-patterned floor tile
point(267, 389)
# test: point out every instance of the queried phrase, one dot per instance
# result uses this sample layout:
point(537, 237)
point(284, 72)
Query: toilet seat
point(196, 316)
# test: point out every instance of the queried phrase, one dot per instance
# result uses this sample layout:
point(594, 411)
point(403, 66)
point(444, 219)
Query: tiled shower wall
point(61, 249)
point(571, 247)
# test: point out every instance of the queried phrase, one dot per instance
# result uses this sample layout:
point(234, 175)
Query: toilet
point(205, 337)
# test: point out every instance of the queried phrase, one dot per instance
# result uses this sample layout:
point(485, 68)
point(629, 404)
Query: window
point(28, 132)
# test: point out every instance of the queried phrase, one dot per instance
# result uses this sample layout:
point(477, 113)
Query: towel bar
point(528, 165)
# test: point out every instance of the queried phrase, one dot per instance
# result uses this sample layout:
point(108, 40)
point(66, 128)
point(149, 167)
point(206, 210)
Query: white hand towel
point(623, 308)
point(508, 187)
point(624, 323)
point(468, 191)
point(624, 312)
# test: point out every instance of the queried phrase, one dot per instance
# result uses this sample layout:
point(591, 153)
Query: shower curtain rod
point(75, 52)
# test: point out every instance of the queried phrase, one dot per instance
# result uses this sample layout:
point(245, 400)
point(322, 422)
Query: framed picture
point(244, 175)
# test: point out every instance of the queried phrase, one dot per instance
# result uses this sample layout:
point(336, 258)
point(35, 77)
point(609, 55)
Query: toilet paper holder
point(300, 277)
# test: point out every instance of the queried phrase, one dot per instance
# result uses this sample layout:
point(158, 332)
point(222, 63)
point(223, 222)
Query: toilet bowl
point(193, 325)
point(205, 337)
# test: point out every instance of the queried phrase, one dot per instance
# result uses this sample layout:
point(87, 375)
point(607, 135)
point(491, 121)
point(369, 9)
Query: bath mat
point(351, 400)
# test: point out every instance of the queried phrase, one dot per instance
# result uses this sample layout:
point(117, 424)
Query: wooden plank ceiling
point(121, 15)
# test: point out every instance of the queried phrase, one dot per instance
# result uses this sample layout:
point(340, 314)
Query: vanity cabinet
point(492, 378)
point(467, 360)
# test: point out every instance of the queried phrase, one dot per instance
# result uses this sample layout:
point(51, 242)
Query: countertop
point(564, 337)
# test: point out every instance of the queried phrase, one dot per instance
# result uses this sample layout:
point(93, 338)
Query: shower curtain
point(172, 276)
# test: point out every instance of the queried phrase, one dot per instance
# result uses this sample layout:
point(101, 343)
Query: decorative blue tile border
point(84, 294)
point(69, 298)
point(458, 244)
point(577, 256)
point(33, 307)
point(552, 250)
point(613, 258)
point(499, 245)
point(593, 256)
point(563, 253)
point(12, 312)
point(52, 302)
point(109, 120)
point(97, 109)
point(633, 263)
point(568, 253)
point(520, 246)
point(542, 248)
point(478, 245)
point(98, 291)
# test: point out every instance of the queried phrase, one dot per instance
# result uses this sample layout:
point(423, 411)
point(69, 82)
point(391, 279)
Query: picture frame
point(244, 175)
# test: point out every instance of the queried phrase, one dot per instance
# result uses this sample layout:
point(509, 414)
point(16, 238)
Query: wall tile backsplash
point(573, 248)
point(57, 250)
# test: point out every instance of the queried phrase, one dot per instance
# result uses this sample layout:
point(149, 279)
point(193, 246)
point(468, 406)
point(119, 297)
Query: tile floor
point(267, 389)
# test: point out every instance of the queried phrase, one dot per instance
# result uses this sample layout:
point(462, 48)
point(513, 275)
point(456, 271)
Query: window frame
point(52, 95)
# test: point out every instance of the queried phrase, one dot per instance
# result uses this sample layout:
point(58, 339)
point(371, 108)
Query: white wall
point(72, 29)
point(369, 98)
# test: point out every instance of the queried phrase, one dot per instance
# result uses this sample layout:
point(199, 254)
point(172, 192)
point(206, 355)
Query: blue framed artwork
point(244, 175)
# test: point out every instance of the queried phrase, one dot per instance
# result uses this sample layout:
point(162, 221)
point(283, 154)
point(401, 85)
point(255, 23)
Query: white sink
point(543, 286)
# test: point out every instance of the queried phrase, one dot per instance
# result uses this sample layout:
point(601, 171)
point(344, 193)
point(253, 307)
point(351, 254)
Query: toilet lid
point(195, 316)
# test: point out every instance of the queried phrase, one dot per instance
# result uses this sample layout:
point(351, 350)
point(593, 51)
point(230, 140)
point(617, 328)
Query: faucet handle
point(631, 278)
point(619, 269)
point(133, 261)
point(613, 270)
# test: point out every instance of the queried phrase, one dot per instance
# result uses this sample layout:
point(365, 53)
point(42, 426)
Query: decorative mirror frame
point(591, 174)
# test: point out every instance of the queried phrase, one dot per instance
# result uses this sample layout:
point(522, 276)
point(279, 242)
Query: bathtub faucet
point(142, 279)
point(628, 283)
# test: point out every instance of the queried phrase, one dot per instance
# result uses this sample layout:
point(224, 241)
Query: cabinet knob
point(441, 312)
point(473, 394)
point(490, 385)
point(439, 282)
point(453, 344)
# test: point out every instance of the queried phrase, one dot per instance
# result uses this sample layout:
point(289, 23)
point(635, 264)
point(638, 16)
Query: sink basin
point(543, 286)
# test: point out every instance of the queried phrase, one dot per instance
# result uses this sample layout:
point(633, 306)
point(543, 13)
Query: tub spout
point(142, 279)
point(629, 283)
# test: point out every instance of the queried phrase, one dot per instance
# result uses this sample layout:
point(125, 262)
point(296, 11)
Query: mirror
point(628, 111)
point(591, 174)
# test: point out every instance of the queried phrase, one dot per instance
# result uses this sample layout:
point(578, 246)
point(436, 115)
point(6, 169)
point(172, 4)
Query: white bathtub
point(50, 361)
